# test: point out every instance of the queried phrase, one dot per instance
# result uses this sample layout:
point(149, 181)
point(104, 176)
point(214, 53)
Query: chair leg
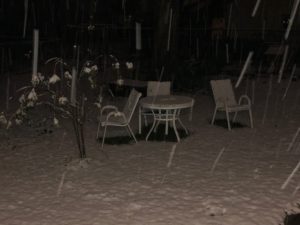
point(132, 134)
point(153, 125)
point(234, 117)
point(140, 120)
point(145, 121)
point(103, 138)
point(98, 129)
point(156, 125)
point(228, 120)
point(214, 116)
point(251, 118)
point(186, 131)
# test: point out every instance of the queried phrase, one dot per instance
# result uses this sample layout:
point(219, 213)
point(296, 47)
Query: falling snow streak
point(267, 100)
point(296, 190)
point(248, 61)
point(286, 49)
point(229, 20)
point(290, 81)
point(290, 176)
point(61, 183)
point(279, 147)
point(255, 8)
point(169, 30)
point(291, 20)
point(217, 160)
point(172, 153)
point(291, 144)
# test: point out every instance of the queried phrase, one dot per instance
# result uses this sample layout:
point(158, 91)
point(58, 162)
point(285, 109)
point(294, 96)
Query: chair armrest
point(108, 107)
point(116, 113)
point(246, 98)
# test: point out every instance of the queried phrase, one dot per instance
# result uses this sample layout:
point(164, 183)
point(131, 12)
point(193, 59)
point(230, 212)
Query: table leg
point(167, 123)
point(140, 119)
point(153, 125)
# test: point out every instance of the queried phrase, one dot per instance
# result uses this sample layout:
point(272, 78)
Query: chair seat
point(234, 108)
point(113, 121)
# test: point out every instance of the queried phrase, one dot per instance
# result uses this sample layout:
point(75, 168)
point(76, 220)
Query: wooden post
point(35, 52)
point(25, 17)
point(138, 48)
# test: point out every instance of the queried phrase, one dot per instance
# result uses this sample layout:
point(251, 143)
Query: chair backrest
point(223, 92)
point(131, 104)
point(158, 88)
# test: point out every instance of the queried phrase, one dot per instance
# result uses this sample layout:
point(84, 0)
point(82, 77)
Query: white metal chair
point(225, 101)
point(154, 88)
point(119, 118)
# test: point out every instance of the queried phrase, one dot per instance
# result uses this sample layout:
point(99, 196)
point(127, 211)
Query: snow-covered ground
point(212, 177)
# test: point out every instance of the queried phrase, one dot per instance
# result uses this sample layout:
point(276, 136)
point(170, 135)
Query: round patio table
point(165, 108)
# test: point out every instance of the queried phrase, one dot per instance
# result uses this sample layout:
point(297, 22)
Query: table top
point(167, 102)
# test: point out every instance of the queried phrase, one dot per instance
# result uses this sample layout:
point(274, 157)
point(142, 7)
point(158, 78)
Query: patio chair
point(155, 88)
point(158, 88)
point(119, 118)
point(225, 101)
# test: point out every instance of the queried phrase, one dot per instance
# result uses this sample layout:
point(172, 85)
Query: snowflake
point(62, 100)
point(32, 95)
point(54, 79)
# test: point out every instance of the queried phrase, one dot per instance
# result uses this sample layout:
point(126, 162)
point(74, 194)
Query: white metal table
point(165, 108)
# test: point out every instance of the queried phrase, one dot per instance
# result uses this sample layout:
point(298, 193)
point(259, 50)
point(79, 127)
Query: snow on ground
point(212, 177)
